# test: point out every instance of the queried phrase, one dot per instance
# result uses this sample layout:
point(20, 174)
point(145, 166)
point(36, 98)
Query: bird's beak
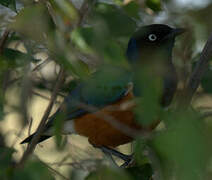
point(175, 32)
point(178, 31)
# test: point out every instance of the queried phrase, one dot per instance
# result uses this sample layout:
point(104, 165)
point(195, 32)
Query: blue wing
point(99, 90)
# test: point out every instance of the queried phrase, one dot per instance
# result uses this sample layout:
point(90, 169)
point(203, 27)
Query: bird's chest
point(111, 125)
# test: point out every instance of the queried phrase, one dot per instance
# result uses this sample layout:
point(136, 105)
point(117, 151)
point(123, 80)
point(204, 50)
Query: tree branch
point(197, 74)
point(6, 73)
point(3, 40)
point(35, 139)
point(84, 11)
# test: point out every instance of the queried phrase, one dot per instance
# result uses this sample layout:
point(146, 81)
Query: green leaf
point(84, 38)
point(33, 22)
point(118, 2)
point(66, 9)
point(117, 23)
point(9, 3)
point(89, 40)
point(11, 58)
point(106, 173)
point(58, 127)
point(6, 156)
point(15, 56)
point(144, 172)
point(182, 147)
point(5, 161)
point(148, 85)
point(132, 9)
point(139, 146)
point(33, 170)
point(155, 5)
point(70, 86)
point(114, 54)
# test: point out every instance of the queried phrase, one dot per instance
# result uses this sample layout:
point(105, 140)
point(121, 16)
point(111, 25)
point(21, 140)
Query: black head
point(151, 39)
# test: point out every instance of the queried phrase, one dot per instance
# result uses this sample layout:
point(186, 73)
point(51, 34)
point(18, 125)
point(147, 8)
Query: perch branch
point(3, 40)
point(35, 139)
point(197, 74)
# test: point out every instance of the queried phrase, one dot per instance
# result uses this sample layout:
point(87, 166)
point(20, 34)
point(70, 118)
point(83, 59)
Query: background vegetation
point(47, 46)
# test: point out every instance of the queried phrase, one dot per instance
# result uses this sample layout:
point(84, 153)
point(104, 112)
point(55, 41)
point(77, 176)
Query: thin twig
point(35, 139)
point(206, 115)
point(41, 65)
point(45, 97)
point(84, 11)
point(87, 164)
point(197, 74)
point(36, 68)
point(131, 132)
point(52, 169)
point(55, 171)
point(30, 126)
point(18, 135)
point(3, 40)
point(156, 164)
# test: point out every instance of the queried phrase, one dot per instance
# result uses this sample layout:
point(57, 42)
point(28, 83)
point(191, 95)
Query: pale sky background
point(193, 3)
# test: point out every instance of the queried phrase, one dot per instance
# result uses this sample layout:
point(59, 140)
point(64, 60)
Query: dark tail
point(28, 139)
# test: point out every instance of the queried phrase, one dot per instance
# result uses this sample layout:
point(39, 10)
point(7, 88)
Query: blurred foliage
point(105, 173)
point(91, 37)
point(115, 20)
point(132, 9)
point(33, 22)
point(206, 81)
point(9, 3)
point(183, 148)
point(58, 124)
point(143, 172)
point(66, 9)
point(6, 160)
point(33, 170)
point(155, 5)
point(11, 58)
point(149, 86)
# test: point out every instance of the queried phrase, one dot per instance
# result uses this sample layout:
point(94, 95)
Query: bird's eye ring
point(152, 37)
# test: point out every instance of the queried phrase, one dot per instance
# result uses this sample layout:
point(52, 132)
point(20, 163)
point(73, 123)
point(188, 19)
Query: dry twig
point(52, 169)
point(197, 74)
point(3, 40)
point(32, 145)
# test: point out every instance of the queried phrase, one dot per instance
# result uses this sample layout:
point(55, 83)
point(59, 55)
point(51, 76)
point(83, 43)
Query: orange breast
point(99, 126)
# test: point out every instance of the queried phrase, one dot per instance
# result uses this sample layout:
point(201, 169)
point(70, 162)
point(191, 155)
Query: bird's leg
point(109, 155)
point(109, 151)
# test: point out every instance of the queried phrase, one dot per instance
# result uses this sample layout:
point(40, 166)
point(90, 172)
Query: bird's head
point(151, 43)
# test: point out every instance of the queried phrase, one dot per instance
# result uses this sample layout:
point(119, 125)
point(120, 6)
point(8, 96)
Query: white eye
point(152, 37)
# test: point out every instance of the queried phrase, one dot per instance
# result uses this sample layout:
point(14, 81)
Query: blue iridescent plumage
point(110, 84)
point(132, 50)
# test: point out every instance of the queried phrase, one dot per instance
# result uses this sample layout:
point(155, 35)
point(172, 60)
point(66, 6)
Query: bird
point(110, 92)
